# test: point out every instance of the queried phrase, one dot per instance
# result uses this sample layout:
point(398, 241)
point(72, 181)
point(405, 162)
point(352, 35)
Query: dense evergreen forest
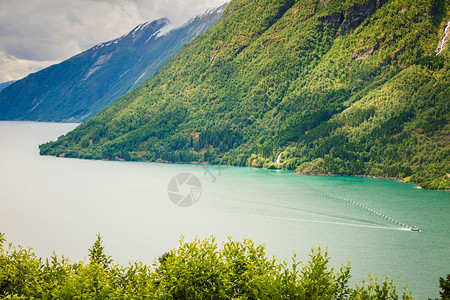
point(200, 269)
point(346, 87)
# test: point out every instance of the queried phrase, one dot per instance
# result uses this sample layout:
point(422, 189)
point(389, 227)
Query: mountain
point(5, 84)
point(352, 87)
point(78, 88)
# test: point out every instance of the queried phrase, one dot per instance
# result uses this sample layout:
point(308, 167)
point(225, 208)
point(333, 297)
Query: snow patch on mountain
point(138, 28)
point(37, 104)
point(140, 77)
point(169, 27)
point(165, 30)
point(98, 64)
point(155, 34)
point(106, 44)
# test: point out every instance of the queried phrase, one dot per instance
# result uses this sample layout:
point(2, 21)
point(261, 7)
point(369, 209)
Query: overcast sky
point(35, 34)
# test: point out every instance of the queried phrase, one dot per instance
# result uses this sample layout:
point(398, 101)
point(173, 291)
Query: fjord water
point(57, 204)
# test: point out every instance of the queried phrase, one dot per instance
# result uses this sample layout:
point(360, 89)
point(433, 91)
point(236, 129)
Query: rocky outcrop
point(444, 39)
point(353, 17)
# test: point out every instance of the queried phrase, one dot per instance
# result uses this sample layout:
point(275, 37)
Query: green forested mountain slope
point(348, 87)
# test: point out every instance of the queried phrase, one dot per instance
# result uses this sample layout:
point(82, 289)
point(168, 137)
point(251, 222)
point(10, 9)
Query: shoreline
point(367, 176)
point(417, 186)
point(364, 176)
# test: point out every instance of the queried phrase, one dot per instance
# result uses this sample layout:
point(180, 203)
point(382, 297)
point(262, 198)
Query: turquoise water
point(60, 204)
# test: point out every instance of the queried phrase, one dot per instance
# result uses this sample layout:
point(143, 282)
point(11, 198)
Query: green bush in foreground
point(195, 270)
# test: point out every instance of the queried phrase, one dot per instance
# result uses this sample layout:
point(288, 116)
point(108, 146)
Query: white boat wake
point(316, 221)
point(361, 207)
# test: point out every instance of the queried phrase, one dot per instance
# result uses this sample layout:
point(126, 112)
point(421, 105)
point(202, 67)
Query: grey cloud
point(13, 68)
point(36, 33)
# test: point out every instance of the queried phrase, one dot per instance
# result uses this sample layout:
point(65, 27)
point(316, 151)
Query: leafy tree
point(97, 253)
point(200, 269)
point(444, 284)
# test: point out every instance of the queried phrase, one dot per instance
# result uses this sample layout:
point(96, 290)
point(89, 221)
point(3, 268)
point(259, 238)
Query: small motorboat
point(415, 229)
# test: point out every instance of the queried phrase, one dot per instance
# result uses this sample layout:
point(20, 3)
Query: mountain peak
point(88, 82)
point(140, 34)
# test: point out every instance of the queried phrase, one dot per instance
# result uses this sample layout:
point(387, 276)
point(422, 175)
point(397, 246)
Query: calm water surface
point(56, 204)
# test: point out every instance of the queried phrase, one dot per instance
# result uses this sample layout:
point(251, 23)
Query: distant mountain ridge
point(3, 85)
point(344, 87)
point(78, 88)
